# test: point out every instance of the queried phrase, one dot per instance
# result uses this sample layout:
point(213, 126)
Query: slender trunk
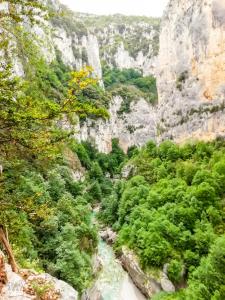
point(3, 275)
point(8, 249)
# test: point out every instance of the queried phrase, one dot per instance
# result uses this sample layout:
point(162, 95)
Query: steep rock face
point(133, 128)
point(77, 50)
point(147, 284)
point(117, 41)
point(125, 42)
point(191, 74)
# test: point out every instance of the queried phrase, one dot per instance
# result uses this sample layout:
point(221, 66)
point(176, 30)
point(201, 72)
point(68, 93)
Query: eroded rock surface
point(135, 127)
point(147, 285)
point(191, 74)
point(21, 287)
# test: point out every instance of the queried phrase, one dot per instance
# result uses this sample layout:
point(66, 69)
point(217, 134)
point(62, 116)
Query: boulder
point(147, 284)
point(166, 284)
point(108, 235)
point(66, 291)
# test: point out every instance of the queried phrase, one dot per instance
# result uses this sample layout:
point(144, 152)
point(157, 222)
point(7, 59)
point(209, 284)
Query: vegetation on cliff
point(130, 85)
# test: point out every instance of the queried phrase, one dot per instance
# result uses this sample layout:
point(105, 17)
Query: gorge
point(125, 113)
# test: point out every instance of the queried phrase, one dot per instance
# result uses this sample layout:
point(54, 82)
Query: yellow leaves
point(83, 95)
point(82, 79)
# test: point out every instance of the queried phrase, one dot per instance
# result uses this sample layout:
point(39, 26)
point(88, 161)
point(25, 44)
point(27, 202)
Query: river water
point(113, 282)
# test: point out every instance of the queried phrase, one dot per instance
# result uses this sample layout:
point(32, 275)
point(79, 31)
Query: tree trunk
point(8, 249)
point(3, 275)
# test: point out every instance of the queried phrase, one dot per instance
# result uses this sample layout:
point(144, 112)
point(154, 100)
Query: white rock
point(191, 70)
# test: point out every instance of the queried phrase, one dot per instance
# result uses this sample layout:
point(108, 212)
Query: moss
point(131, 128)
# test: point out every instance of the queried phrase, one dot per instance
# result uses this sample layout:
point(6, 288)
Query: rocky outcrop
point(127, 171)
point(191, 71)
point(81, 39)
point(108, 235)
point(135, 127)
point(148, 284)
point(28, 285)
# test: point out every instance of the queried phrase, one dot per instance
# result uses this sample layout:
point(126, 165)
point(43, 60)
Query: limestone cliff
point(117, 41)
point(135, 127)
point(125, 42)
point(191, 74)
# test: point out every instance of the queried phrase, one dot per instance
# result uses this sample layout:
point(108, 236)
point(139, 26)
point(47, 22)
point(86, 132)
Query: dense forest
point(171, 210)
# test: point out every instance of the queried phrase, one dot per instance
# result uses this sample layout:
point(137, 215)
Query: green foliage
point(122, 82)
point(175, 269)
point(66, 19)
point(103, 21)
point(100, 167)
point(171, 211)
point(29, 9)
point(133, 43)
point(54, 226)
point(44, 210)
point(207, 281)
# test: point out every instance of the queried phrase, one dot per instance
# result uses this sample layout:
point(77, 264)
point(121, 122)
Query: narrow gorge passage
point(113, 282)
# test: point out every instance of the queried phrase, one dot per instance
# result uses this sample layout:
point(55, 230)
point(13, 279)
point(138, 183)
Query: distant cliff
point(118, 41)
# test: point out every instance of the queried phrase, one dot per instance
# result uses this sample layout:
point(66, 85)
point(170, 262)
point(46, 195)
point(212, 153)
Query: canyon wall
point(191, 71)
point(135, 127)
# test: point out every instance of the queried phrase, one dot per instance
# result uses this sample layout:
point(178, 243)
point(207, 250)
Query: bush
point(175, 270)
point(118, 80)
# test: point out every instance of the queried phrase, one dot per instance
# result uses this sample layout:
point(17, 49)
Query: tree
point(14, 13)
point(5, 243)
point(207, 281)
point(28, 126)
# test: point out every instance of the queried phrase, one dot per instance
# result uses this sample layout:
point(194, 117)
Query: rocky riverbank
point(148, 284)
point(113, 282)
point(108, 235)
